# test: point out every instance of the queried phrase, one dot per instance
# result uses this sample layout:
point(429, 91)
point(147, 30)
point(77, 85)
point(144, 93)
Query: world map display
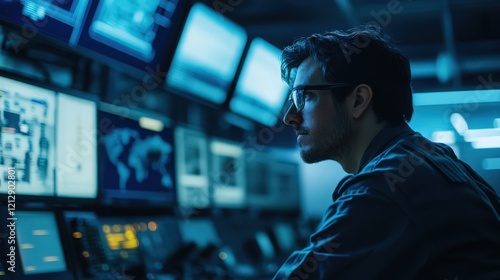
point(137, 163)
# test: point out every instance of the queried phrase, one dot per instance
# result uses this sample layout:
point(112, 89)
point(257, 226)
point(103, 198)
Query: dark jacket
point(413, 211)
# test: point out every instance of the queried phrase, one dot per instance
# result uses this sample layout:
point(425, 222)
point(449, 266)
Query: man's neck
point(363, 135)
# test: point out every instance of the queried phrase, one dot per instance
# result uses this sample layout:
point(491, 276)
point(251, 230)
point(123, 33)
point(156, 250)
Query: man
point(410, 209)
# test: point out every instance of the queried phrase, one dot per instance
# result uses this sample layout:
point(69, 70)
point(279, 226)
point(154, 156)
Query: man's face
point(323, 129)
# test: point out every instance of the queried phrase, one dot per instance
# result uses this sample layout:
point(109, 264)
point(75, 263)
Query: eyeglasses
point(297, 99)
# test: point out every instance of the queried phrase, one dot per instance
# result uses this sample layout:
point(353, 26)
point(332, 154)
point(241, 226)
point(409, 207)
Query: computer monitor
point(272, 184)
point(138, 34)
point(260, 195)
point(137, 158)
point(39, 244)
point(60, 20)
point(192, 168)
point(27, 139)
point(285, 185)
point(207, 56)
point(227, 174)
point(190, 232)
point(260, 93)
point(76, 166)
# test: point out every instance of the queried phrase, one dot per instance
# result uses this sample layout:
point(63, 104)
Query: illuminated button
point(106, 229)
point(117, 228)
point(152, 226)
point(222, 255)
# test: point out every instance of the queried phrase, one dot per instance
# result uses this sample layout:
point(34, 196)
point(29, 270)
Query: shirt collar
point(382, 141)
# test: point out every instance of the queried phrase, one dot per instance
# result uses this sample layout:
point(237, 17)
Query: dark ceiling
point(464, 34)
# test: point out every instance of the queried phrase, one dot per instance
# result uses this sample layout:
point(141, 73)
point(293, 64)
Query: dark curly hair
point(361, 55)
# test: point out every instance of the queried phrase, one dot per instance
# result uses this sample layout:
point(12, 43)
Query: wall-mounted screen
point(27, 138)
point(76, 166)
point(272, 184)
point(227, 174)
point(260, 93)
point(207, 56)
point(139, 34)
point(285, 185)
point(260, 195)
point(192, 168)
point(39, 243)
point(61, 20)
point(137, 158)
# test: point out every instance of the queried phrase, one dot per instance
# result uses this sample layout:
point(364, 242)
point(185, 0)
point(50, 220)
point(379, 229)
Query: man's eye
point(307, 94)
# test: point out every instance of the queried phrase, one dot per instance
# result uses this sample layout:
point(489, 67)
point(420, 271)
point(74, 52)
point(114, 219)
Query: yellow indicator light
point(106, 229)
point(117, 228)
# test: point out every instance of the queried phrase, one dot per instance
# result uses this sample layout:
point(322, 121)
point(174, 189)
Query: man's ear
point(363, 95)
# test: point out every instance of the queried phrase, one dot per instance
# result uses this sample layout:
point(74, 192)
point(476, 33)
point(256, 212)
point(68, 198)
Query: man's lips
point(300, 132)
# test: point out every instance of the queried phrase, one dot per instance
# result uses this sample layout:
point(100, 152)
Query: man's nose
point(291, 116)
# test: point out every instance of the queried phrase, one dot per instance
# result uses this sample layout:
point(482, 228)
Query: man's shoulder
point(409, 161)
point(418, 158)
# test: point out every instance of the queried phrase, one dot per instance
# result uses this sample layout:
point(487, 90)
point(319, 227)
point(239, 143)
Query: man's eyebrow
point(299, 87)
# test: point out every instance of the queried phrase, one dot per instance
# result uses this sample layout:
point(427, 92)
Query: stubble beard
point(334, 142)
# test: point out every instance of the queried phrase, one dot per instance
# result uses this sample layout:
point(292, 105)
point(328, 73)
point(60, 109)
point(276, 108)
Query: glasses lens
point(297, 99)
